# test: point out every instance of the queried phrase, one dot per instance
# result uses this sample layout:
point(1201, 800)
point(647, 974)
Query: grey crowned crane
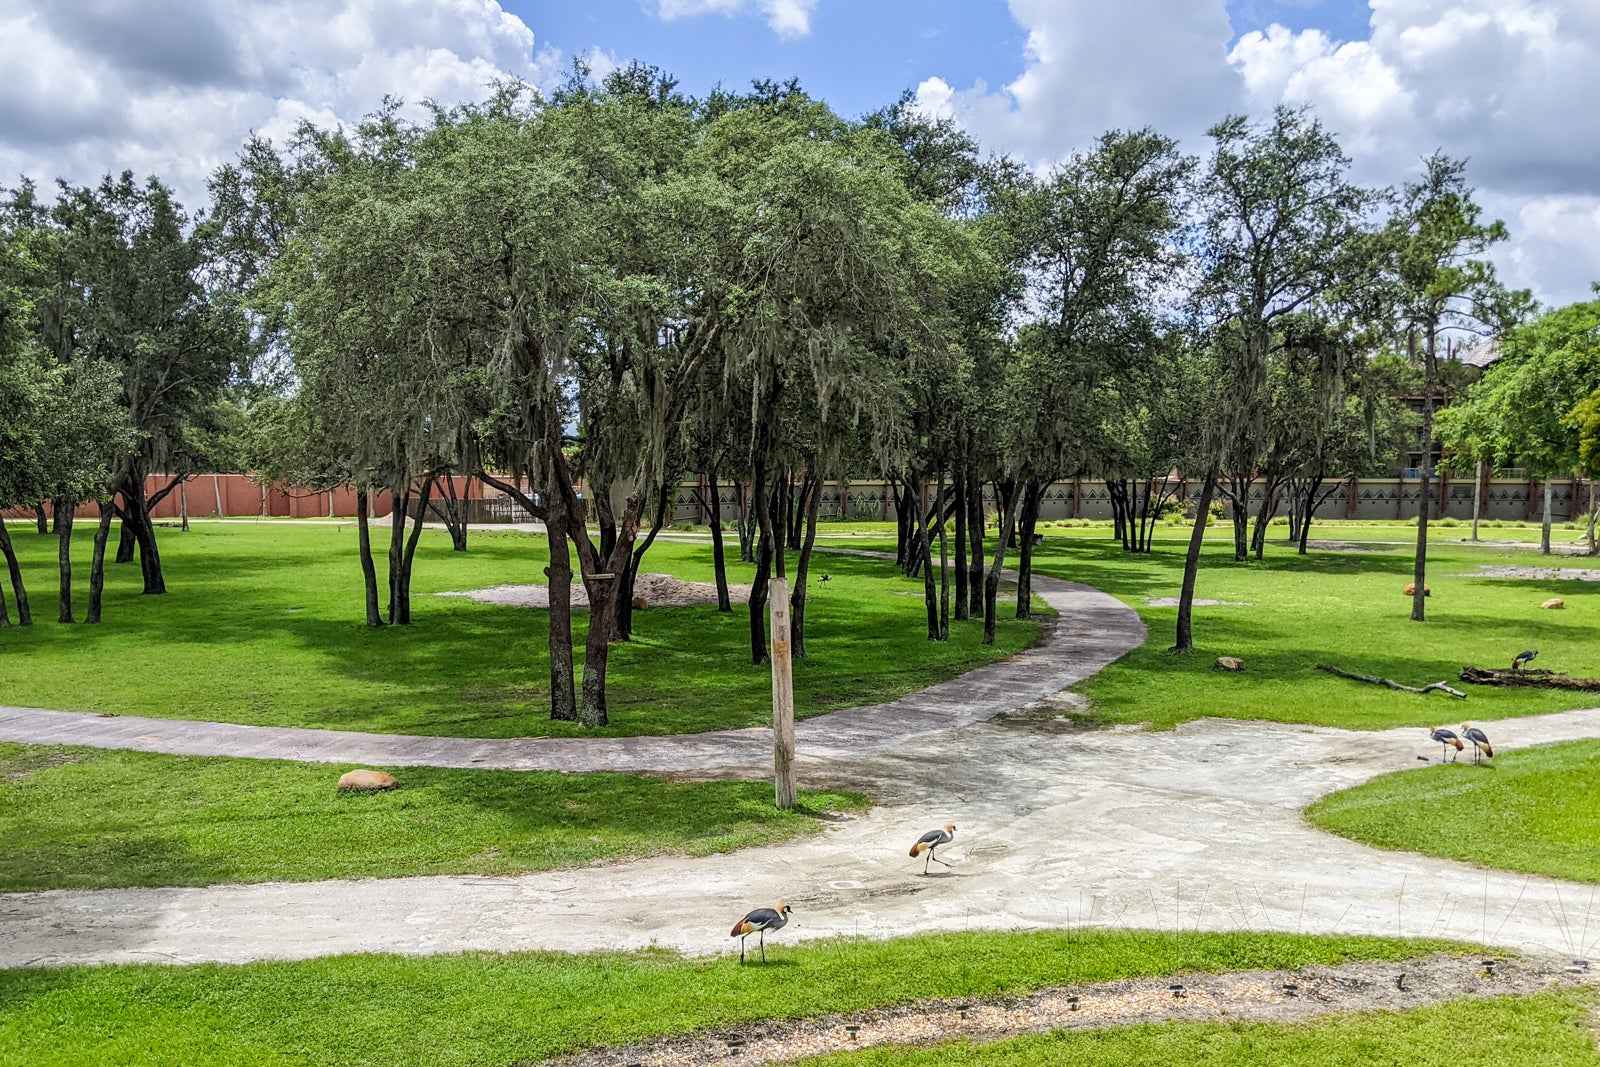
point(759, 922)
point(1523, 659)
point(1447, 738)
point(930, 841)
point(1480, 742)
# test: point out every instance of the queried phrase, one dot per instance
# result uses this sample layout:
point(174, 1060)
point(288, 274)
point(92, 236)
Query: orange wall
point(236, 496)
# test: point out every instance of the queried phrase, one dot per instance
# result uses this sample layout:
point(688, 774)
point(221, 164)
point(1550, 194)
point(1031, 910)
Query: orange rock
point(1411, 589)
point(1230, 663)
point(1554, 603)
point(364, 781)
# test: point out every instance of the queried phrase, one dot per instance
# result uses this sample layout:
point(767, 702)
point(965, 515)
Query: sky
point(172, 87)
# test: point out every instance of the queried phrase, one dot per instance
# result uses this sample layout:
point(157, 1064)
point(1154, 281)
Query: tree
point(122, 280)
point(1437, 240)
point(1522, 411)
point(1280, 223)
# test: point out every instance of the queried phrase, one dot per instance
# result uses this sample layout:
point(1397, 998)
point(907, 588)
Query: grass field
point(1293, 612)
point(262, 624)
point(1535, 810)
point(77, 818)
point(1548, 1030)
point(503, 1010)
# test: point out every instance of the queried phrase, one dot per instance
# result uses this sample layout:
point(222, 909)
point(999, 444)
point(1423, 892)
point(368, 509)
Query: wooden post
point(1477, 499)
point(782, 697)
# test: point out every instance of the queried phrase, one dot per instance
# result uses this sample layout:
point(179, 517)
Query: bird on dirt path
point(1480, 742)
point(1446, 738)
point(930, 841)
point(1523, 659)
point(759, 922)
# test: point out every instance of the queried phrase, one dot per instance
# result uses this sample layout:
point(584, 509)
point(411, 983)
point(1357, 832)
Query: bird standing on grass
point(930, 841)
point(1446, 738)
point(759, 922)
point(1480, 741)
point(1523, 659)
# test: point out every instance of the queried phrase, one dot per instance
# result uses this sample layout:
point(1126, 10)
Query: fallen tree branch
point(1531, 679)
point(1373, 679)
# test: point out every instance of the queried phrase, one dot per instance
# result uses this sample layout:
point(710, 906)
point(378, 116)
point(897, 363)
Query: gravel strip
point(1253, 996)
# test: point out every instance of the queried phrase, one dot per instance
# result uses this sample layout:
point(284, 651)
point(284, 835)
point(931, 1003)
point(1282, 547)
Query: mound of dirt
point(659, 590)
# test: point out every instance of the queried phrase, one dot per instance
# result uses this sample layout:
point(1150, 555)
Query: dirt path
point(1249, 996)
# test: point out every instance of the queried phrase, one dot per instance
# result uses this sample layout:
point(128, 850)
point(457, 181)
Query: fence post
point(783, 775)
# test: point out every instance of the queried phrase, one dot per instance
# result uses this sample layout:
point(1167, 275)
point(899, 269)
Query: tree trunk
point(1544, 532)
point(1419, 572)
point(1308, 509)
point(1184, 641)
point(127, 544)
point(411, 550)
point(369, 573)
point(451, 510)
point(906, 512)
point(991, 581)
point(601, 579)
point(797, 599)
point(397, 547)
point(758, 586)
point(975, 535)
point(719, 562)
point(136, 511)
point(1030, 519)
point(1239, 512)
point(746, 525)
point(1264, 515)
point(624, 613)
point(97, 564)
point(944, 564)
point(922, 546)
point(64, 514)
point(563, 692)
point(41, 520)
point(958, 488)
point(24, 615)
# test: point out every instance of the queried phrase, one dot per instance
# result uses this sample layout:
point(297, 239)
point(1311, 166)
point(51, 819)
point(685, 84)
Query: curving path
point(1195, 828)
point(1091, 630)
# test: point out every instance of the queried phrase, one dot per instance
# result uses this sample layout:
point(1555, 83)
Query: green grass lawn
point(492, 1010)
point(262, 624)
point(1534, 809)
point(76, 818)
point(1547, 1030)
point(1344, 608)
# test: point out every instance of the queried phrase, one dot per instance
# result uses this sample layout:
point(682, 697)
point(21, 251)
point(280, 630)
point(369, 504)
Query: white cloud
point(1509, 84)
point(1091, 66)
point(789, 19)
point(172, 88)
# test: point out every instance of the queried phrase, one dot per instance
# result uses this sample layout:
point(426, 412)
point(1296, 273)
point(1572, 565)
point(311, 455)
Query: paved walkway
point(1091, 630)
point(1194, 828)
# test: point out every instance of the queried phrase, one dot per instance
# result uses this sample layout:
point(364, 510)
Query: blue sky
point(859, 55)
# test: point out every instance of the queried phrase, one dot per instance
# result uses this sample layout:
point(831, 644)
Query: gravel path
point(1246, 996)
point(1194, 828)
